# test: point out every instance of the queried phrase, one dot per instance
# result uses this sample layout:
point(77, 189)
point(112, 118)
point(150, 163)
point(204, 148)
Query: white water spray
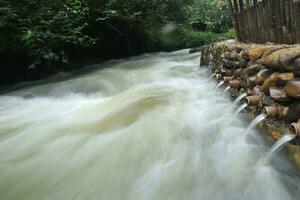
point(281, 142)
point(240, 109)
point(146, 128)
point(239, 98)
point(254, 123)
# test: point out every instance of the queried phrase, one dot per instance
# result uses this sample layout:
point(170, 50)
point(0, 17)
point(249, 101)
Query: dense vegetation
point(36, 35)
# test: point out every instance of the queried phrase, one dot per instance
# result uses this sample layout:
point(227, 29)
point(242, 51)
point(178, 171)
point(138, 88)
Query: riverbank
point(269, 75)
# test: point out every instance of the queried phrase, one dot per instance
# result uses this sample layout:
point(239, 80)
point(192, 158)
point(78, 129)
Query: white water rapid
point(145, 128)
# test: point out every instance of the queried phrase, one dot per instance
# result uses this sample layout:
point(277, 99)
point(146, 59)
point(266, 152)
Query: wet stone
point(253, 69)
point(292, 88)
point(268, 101)
point(278, 94)
point(296, 67)
point(293, 113)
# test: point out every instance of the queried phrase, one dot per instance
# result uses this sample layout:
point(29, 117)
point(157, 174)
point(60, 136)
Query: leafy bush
point(46, 30)
point(58, 30)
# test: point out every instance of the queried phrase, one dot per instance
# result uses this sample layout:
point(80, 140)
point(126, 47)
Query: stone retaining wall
point(270, 75)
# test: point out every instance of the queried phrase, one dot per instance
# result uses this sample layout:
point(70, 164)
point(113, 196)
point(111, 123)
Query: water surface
point(145, 128)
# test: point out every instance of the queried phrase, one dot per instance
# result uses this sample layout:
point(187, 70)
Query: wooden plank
point(267, 20)
point(297, 20)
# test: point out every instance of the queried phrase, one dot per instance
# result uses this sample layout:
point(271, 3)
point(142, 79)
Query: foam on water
point(144, 128)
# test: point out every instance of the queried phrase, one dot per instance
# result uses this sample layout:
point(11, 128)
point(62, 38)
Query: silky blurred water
point(146, 128)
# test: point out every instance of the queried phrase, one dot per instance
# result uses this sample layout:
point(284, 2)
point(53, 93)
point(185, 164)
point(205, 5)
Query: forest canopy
point(44, 32)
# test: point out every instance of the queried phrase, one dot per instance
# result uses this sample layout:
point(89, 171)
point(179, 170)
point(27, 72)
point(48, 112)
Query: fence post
point(235, 21)
point(297, 19)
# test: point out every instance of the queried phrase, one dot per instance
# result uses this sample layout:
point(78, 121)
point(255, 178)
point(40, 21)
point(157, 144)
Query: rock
point(196, 49)
point(225, 71)
point(292, 88)
point(276, 135)
point(293, 113)
point(257, 53)
point(283, 78)
point(251, 81)
point(258, 62)
point(270, 82)
point(257, 90)
point(268, 101)
point(253, 69)
point(296, 67)
point(278, 94)
point(287, 57)
point(282, 58)
point(232, 64)
point(262, 75)
point(206, 57)
point(237, 73)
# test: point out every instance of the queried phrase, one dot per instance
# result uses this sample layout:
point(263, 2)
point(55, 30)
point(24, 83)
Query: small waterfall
point(226, 90)
point(239, 98)
point(220, 84)
point(281, 142)
point(213, 75)
point(254, 123)
point(240, 109)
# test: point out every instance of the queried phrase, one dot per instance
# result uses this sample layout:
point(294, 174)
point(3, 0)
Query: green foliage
point(58, 30)
point(213, 13)
point(46, 30)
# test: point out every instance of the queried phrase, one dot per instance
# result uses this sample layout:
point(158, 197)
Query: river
point(143, 128)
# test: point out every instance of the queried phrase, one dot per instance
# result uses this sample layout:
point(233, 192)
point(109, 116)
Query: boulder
point(250, 83)
point(256, 53)
point(296, 67)
point(278, 94)
point(281, 59)
point(268, 101)
point(271, 81)
point(292, 88)
point(283, 78)
point(262, 75)
point(253, 69)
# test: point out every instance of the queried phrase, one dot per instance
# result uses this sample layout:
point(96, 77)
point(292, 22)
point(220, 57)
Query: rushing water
point(220, 84)
point(145, 128)
point(239, 98)
point(240, 109)
point(254, 123)
point(279, 145)
point(226, 90)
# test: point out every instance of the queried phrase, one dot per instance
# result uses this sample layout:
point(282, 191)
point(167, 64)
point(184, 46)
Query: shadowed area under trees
point(41, 37)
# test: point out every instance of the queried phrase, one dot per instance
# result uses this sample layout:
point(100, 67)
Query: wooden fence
point(261, 21)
